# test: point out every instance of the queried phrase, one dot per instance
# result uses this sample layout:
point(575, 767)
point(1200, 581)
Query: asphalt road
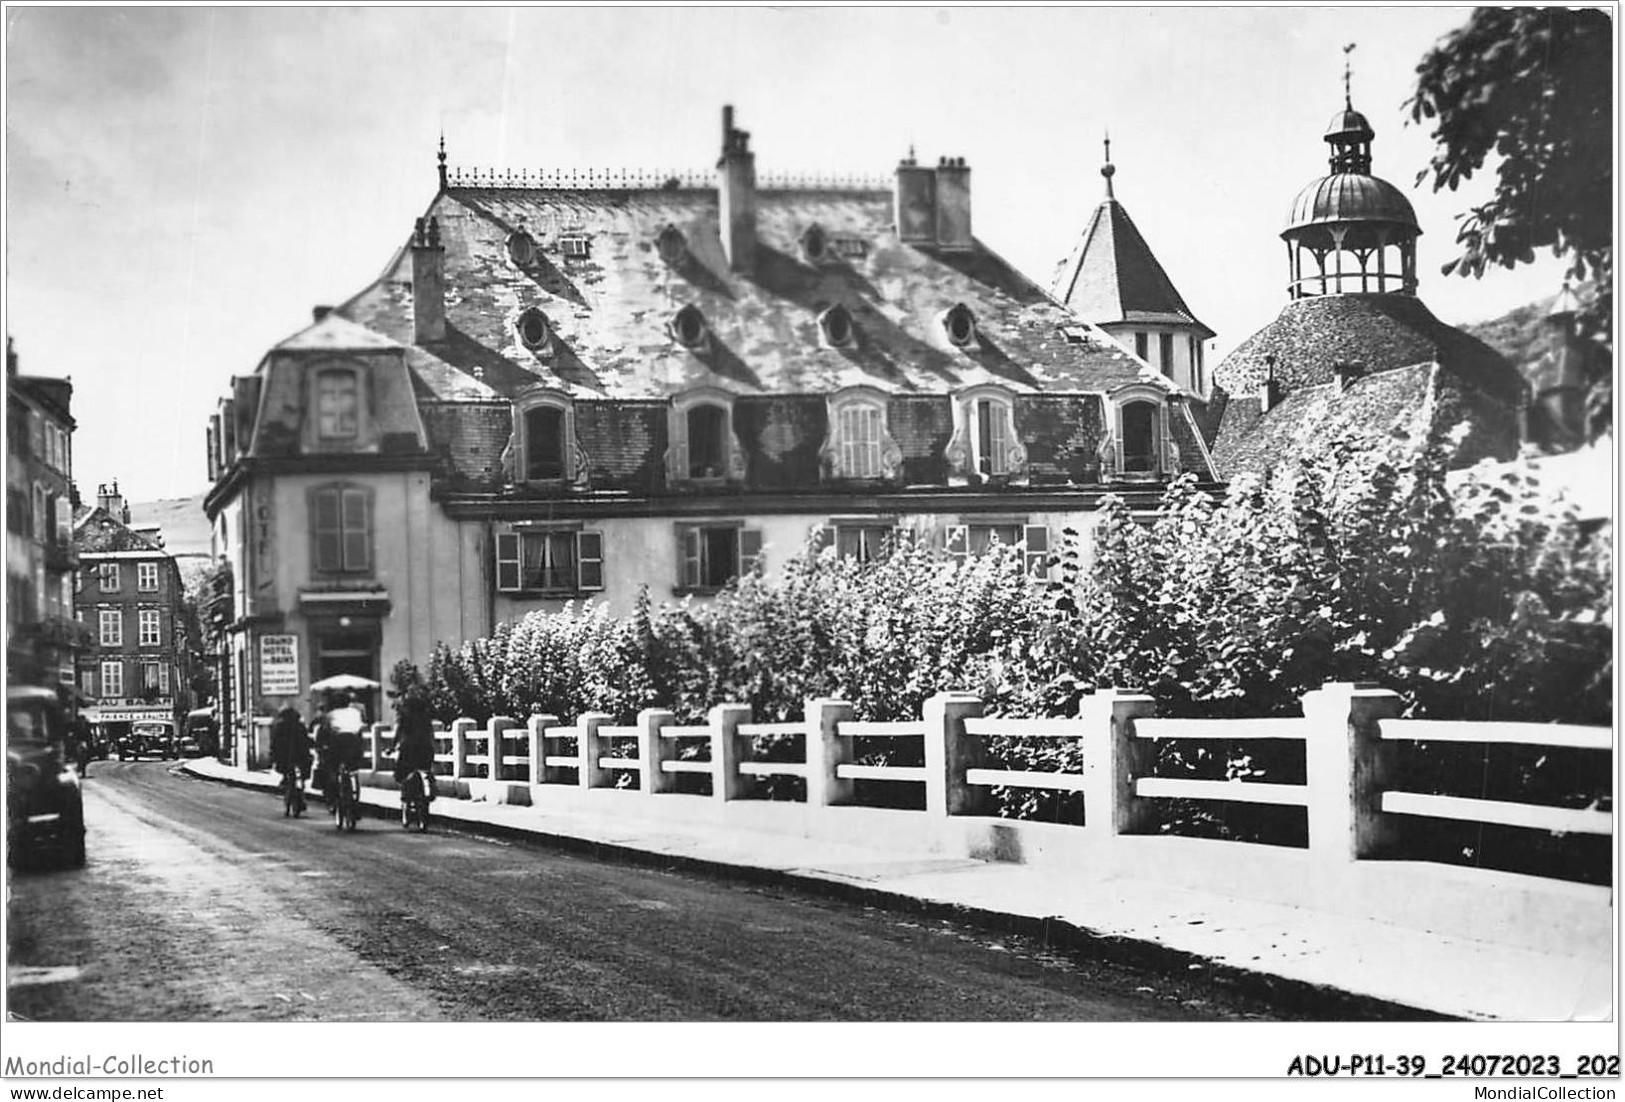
point(201, 902)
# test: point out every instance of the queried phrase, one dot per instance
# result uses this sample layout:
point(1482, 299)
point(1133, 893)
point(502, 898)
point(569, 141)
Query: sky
point(183, 185)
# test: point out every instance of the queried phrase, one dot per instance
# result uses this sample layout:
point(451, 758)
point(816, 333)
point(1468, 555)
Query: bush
point(1473, 595)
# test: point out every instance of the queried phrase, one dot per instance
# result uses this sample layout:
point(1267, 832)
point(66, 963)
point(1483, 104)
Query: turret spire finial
point(442, 158)
point(1108, 169)
point(1348, 68)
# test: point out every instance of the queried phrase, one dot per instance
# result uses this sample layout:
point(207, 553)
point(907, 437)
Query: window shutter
point(678, 467)
point(507, 562)
point(590, 552)
point(1037, 550)
point(999, 424)
point(688, 557)
point(329, 547)
point(958, 540)
point(355, 526)
point(750, 550)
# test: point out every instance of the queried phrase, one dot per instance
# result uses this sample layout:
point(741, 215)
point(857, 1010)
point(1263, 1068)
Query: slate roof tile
point(609, 309)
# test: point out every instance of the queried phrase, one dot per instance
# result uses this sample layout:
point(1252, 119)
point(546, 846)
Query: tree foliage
point(1532, 89)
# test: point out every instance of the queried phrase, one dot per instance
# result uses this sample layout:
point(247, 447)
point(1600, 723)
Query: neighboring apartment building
point(131, 600)
point(41, 635)
point(587, 387)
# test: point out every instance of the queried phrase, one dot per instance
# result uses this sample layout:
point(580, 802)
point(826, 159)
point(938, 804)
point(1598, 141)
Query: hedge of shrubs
point(1474, 596)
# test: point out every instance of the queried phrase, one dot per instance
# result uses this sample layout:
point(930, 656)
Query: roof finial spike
point(1108, 169)
point(442, 158)
point(1348, 67)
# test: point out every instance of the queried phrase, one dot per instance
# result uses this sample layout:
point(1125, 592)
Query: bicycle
point(293, 794)
point(415, 801)
point(346, 798)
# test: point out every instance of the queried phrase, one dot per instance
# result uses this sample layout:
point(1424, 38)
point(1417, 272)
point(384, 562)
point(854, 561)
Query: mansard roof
point(1113, 276)
point(95, 531)
point(608, 310)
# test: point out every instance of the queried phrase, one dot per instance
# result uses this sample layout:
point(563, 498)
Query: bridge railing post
point(590, 750)
point(459, 747)
point(536, 726)
point(493, 745)
point(1346, 767)
point(1113, 759)
point(949, 752)
point(826, 750)
point(653, 750)
point(727, 782)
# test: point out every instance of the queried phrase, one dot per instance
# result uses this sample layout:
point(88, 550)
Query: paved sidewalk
point(1325, 965)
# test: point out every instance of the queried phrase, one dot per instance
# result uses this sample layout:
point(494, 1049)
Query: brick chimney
point(736, 195)
point(1269, 391)
point(109, 498)
point(953, 204)
point(428, 283)
point(916, 203)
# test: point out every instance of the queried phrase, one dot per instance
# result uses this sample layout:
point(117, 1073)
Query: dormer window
point(534, 331)
point(576, 246)
point(671, 245)
point(854, 248)
point(338, 405)
point(688, 327)
point(859, 444)
point(984, 444)
point(1141, 438)
point(835, 327)
point(1138, 447)
point(814, 244)
point(543, 441)
point(703, 447)
point(960, 325)
point(521, 248)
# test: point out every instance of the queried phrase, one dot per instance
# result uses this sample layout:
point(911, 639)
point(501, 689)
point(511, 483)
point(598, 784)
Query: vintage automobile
point(199, 738)
point(149, 736)
point(45, 806)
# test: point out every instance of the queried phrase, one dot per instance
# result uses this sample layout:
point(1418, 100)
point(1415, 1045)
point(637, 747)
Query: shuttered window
point(550, 561)
point(341, 529)
point(710, 556)
point(860, 429)
point(992, 437)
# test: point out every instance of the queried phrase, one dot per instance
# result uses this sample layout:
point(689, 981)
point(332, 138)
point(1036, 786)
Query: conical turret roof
point(1113, 276)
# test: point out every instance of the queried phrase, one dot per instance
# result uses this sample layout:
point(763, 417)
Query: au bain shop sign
point(279, 665)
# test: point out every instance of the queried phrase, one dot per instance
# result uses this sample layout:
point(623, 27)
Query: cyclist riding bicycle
point(290, 747)
point(414, 741)
point(338, 742)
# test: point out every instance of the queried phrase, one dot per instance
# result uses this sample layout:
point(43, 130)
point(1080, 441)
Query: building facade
point(42, 636)
point(131, 601)
point(563, 389)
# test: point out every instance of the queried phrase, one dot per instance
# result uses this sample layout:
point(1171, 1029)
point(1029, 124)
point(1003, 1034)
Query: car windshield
point(152, 730)
point(28, 721)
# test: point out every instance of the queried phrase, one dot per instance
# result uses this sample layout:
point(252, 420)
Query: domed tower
point(1350, 231)
point(1355, 354)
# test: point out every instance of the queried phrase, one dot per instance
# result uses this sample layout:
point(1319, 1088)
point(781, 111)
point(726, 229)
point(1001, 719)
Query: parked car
point(199, 737)
point(149, 736)
point(45, 806)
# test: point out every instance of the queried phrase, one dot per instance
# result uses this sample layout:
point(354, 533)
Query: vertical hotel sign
point(279, 665)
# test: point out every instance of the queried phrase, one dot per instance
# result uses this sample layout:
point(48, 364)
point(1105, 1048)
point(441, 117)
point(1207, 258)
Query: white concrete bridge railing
point(1354, 797)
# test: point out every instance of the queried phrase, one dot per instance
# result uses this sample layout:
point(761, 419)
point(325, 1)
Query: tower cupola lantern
point(1350, 232)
